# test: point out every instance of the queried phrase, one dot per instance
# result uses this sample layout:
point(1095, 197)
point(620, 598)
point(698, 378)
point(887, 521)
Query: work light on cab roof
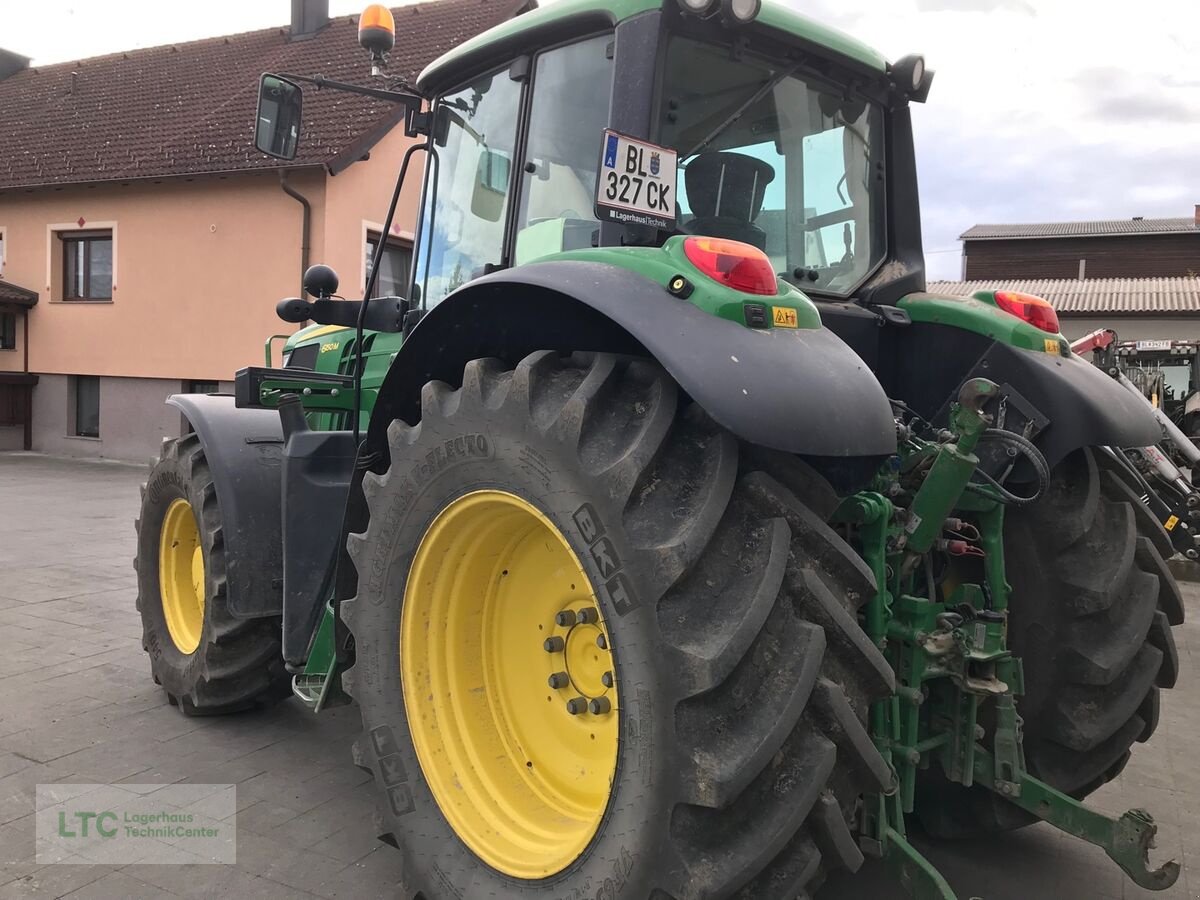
point(912, 77)
point(732, 12)
point(377, 34)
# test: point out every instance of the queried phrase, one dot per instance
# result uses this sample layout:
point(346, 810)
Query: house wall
point(134, 417)
point(1134, 328)
point(357, 201)
point(199, 265)
point(1148, 256)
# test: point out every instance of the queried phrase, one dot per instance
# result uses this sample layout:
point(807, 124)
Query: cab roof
point(457, 65)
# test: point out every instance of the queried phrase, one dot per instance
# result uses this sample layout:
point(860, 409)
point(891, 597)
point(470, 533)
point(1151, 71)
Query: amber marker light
point(377, 34)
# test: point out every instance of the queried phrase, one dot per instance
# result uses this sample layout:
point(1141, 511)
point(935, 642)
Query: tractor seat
point(726, 192)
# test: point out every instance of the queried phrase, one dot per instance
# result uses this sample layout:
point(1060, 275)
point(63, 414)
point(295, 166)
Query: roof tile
point(15, 295)
point(1104, 228)
point(188, 109)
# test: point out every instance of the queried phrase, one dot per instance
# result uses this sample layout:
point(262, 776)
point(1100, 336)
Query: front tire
point(207, 661)
point(740, 674)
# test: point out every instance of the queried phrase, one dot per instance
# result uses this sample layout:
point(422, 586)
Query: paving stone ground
point(78, 705)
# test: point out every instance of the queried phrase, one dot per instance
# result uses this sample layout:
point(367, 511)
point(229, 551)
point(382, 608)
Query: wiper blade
point(767, 86)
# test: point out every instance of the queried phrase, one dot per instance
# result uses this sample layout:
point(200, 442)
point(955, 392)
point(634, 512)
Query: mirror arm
point(412, 101)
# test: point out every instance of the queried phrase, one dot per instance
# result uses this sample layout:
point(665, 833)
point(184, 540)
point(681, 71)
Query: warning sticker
point(637, 182)
point(1171, 523)
point(785, 317)
point(1051, 346)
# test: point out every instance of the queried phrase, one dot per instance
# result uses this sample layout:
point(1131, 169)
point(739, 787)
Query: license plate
point(1154, 345)
point(637, 182)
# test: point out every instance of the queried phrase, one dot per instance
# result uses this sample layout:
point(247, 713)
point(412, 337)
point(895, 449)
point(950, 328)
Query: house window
point(393, 268)
point(85, 398)
point(201, 387)
point(87, 265)
point(8, 331)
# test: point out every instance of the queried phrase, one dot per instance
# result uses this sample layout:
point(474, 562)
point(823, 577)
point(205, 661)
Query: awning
point(14, 295)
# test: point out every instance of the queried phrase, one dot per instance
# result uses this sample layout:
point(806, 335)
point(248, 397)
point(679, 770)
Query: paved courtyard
point(78, 705)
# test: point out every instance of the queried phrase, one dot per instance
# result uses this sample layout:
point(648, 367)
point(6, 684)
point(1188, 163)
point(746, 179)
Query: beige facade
point(198, 264)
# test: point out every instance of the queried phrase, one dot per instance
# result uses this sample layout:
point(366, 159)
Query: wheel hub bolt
point(577, 706)
point(565, 619)
point(559, 680)
point(588, 616)
point(606, 679)
point(554, 644)
point(600, 706)
point(601, 642)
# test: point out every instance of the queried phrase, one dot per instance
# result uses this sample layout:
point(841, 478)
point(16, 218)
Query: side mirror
point(491, 185)
point(277, 122)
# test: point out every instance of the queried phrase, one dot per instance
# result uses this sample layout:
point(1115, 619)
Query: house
point(144, 241)
point(1139, 277)
point(1122, 248)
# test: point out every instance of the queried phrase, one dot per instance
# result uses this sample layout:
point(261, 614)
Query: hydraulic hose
point(1026, 449)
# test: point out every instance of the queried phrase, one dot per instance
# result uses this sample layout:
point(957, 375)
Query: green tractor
point(672, 541)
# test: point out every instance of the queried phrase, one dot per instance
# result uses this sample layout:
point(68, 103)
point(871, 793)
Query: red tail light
point(734, 264)
point(1034, 310)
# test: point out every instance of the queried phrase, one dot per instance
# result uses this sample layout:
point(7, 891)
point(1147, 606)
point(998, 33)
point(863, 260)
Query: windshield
point(778, 161)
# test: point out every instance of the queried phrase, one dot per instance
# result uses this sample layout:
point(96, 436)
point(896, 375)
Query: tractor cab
point(590, 128)
point(760, 147)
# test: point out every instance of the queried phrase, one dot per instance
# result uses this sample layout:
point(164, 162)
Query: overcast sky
point(1043, 110)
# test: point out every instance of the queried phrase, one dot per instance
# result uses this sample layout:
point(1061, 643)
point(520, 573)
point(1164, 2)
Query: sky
point(1042, 110)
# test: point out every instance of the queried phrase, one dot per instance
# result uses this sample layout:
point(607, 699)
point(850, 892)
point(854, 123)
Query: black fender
point(924, 364)
point(1086, 408)
point(244, 449)
point(801, 391)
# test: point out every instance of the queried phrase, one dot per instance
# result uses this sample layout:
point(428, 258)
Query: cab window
point(476, 132)
point(571, 88)
point(778, 160)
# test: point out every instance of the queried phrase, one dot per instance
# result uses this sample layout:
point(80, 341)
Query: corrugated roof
point(1105, 228)
point(188, 109)
point(1100, 296)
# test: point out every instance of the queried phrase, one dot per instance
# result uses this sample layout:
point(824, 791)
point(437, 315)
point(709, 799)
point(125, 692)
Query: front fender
point(244, 450)
point(797, 390)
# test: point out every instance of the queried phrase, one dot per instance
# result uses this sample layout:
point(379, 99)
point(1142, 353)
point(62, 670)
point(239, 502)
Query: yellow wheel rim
point(509, 684)
point(181, 576)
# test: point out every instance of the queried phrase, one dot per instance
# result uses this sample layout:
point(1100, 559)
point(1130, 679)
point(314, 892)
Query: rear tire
point(235, 664)
point(1090, 616)
point(743, 676)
